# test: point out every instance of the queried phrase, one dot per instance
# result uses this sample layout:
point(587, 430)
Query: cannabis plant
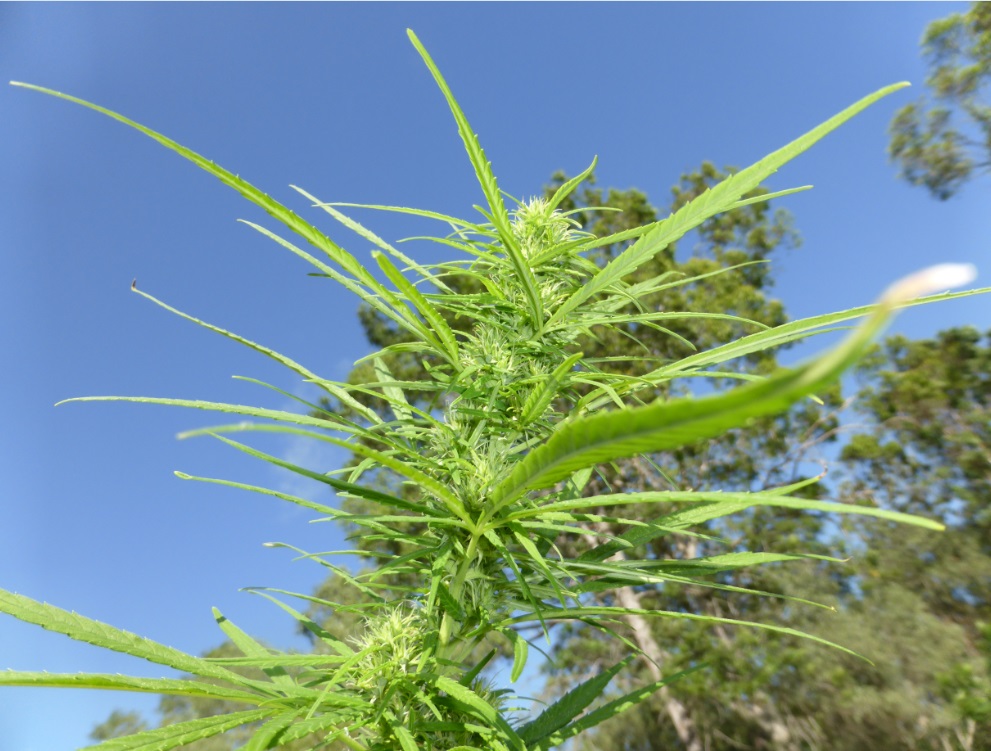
point(491, 460)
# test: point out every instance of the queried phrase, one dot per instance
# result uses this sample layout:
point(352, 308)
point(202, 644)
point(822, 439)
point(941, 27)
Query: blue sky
point(334, 98)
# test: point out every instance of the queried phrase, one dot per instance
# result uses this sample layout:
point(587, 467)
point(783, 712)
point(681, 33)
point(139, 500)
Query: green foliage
point(916, 603)
point(941, 143)
point(927, 449)
point(118, 724)
point(478, 476)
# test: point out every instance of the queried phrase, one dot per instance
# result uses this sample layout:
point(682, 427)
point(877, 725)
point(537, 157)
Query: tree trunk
point(643, 636)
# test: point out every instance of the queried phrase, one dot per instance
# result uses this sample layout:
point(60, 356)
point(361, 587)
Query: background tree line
point(916, 437)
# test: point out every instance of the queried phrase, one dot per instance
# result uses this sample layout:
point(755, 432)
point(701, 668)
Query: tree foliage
point(943, 140)
point(917, 604)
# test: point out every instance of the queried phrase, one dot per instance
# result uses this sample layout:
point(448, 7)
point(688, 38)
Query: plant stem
point(456, 587)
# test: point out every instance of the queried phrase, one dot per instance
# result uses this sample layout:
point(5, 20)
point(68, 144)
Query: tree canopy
point(943, 139)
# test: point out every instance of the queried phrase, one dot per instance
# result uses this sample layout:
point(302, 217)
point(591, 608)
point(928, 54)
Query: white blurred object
point(928, 281)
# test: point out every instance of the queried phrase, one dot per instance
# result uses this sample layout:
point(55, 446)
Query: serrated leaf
point(426, 482)
point(237, 409)
point(393, 311)
point(351, 720)
point(479, 666)
point(180, 733)
point(393, 393)
point(280, 660)
point(745, 500)
point(769, 196)
point(486, 178)
point(267, 736)
point(129, 683)
point(520, 650)
point(403, 468)
point(569, 706)
point(366, 233)
point(639, 573)
point(600, 715)
point(446, 341)
point(542, 396)
point(567, 188)
point(84, 629)
point(343, 487)
point(451, 605)
point(405, 738)
point(475, 705)
point(314, 628)
point(454, 221)
point(251, 648)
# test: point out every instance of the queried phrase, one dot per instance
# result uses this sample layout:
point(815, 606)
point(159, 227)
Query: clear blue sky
point(333, 98)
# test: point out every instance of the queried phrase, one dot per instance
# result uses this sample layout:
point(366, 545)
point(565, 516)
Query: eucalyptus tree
point(925, 446)
point(943, 139)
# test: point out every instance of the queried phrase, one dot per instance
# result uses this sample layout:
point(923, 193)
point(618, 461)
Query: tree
point(944, 141)
point(917, 604)
point(927, 447)
point(118, 724)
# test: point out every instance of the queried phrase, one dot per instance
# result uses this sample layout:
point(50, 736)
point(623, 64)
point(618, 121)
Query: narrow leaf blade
point(84, 629)
point(712, 202)
point(181, 733)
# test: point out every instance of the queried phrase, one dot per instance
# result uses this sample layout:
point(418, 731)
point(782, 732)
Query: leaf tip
point(182, 475)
